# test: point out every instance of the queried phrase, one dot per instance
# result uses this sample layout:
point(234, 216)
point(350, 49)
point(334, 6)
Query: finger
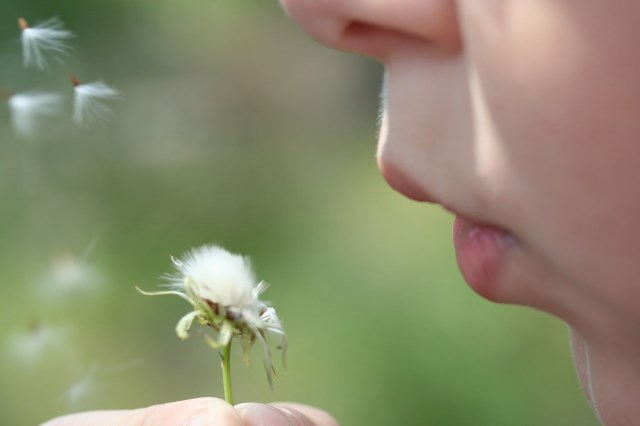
point(283, 414)
point(193, 412)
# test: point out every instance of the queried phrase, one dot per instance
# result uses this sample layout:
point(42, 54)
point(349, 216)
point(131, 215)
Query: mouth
point(482, 252)
point(481, 249)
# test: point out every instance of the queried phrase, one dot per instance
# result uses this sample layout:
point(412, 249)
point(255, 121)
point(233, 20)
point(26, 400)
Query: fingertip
point(254, 414)
point(283, 414)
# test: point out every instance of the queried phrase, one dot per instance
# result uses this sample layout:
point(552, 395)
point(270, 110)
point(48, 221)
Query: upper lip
point(405, 185)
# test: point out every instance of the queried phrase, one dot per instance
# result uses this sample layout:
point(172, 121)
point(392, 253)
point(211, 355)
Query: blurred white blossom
point(29, 108)
point(220, 286)
point(48, 38)
point(89, 102)
point(35, 343)
point(68, 276)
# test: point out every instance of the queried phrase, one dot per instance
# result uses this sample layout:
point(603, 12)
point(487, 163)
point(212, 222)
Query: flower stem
point(226, 373)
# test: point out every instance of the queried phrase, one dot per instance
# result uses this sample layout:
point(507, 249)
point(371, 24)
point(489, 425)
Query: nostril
point(378, 27)
point(360, 37)
point(373, 40)
point(357, 29)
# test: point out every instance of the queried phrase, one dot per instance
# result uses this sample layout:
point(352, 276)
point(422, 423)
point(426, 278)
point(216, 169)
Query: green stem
point(226, 373)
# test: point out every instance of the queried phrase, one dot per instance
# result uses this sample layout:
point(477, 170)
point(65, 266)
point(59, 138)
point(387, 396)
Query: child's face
point(522, 115)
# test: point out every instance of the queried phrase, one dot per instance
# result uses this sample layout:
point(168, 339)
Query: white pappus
point(222, 289)
point(88, 102)
point(28, 108)
point(48, 38)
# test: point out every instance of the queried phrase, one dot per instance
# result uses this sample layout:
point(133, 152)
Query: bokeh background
point(238, 129)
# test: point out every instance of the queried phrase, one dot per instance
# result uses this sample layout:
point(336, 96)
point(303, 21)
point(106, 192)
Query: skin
point(201, 412)
point(522, 115)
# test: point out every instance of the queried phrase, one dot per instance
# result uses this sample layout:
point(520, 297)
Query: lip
point(481, 249)
point(481, 252)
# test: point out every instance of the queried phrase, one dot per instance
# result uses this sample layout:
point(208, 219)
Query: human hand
point(203, 411)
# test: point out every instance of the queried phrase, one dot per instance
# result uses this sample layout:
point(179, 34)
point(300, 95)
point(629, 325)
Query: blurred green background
point(238, 129)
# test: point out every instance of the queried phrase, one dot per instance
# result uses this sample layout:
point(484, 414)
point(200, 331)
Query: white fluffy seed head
point(27, 109)
point(88, 103)
point(48, 38)
point(222, 290)
point(216, 275)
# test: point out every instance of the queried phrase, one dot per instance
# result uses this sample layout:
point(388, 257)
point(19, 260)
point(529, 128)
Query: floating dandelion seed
point(88, 102)
point(29, 108)
point(79, 390)
point(70, 276)
point(220, 286)
point(35, 343)
point(47, 38)
point(91, 382)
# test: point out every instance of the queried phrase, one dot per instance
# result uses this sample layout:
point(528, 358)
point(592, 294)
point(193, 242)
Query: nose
point(377, 27)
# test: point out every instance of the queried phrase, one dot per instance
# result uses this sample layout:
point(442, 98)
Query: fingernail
point(264, 415)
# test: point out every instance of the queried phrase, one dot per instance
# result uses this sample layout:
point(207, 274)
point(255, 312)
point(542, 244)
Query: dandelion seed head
point(47, 39)
point(218, 276)
point(222, 290)
point(89, 102)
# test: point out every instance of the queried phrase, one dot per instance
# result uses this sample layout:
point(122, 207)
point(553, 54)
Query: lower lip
point(481, 251)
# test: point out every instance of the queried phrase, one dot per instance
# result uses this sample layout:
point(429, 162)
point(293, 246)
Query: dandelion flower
point(88, 102)
point(222, 290)
point(27, 109)
point(47, 38)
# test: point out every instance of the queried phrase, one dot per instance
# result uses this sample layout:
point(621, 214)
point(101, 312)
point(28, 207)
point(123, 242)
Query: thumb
point(283, 414)
point(199, 411)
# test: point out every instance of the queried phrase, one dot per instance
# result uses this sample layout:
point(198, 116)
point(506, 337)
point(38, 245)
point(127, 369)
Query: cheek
point(574, 180)
point(567, 131)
